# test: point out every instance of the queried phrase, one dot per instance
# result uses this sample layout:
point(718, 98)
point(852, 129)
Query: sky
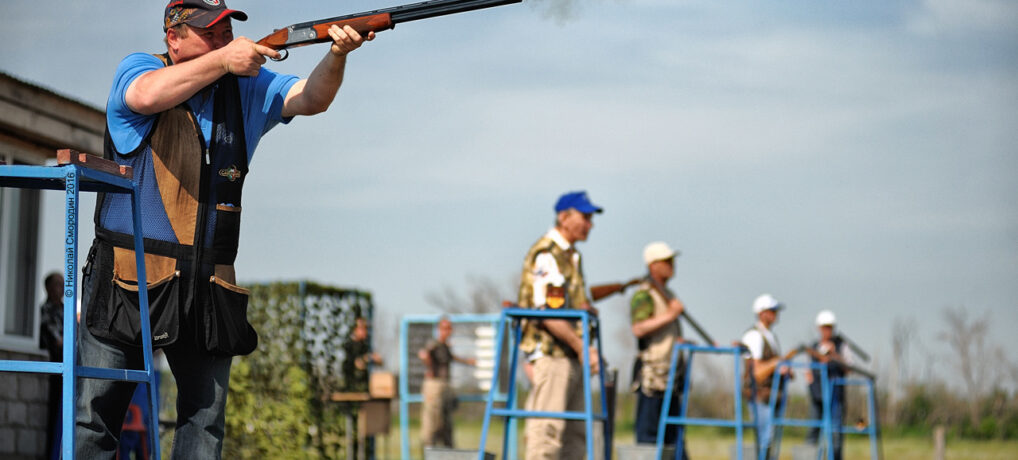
point(852, 156)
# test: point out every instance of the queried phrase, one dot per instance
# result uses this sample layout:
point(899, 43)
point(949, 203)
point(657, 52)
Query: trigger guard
point(285, 53)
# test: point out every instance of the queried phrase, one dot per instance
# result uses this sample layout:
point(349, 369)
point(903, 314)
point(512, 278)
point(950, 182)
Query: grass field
point(715, 444)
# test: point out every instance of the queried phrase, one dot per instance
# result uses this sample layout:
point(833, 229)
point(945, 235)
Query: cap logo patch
point(177, 15)
point(212, 2)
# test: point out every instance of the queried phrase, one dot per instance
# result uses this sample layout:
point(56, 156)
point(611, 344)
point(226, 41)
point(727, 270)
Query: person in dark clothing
point(51, 339)
point(830, 349)
point(356, 360)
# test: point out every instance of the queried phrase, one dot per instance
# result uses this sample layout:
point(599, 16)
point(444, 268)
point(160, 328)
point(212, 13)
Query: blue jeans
point(202, 382)
point(764, 426)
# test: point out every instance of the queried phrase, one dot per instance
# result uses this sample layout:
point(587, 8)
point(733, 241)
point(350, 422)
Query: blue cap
point(578, 201)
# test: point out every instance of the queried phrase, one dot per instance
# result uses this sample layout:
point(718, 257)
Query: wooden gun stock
point(604, 290)
point(765, 370)
point(311, 33)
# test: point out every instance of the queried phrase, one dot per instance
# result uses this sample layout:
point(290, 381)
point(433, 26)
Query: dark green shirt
point(641, 307)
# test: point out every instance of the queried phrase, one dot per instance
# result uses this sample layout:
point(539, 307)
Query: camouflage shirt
point(566, 272)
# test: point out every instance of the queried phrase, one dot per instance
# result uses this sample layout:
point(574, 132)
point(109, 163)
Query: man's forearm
point(564, 332)
point(316, 93)
point(165, 88)
point(651, 325)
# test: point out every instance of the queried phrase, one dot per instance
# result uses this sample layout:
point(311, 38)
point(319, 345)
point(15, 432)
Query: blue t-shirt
point(261, 97)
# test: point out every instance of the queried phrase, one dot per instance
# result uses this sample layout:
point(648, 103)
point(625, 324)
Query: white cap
point(766, 302)
point(825, 318)
point(656, 251)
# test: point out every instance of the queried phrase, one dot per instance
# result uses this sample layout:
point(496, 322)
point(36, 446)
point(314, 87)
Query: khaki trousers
point(436, 413)
point(557, 387)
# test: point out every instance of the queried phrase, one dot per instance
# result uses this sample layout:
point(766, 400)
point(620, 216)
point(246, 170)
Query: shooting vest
point(656, 349)
point(190, 197)
point(834, 370)
point(575, 290)
point(763, 389)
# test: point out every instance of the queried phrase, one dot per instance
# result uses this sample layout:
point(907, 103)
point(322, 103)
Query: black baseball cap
point(198, 13)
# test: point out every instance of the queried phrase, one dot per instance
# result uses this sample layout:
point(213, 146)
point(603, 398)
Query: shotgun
point(307, 33)
point(692, 322)
point(858, 370)
point(855, 348)
point(604, 290)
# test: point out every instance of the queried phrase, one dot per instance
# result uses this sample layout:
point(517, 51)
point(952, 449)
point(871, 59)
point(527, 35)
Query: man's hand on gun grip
point(245, 57)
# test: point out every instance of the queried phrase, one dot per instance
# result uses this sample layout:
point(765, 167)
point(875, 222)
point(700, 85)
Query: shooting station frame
point(78, 172)
point(738, 420)
point(826, 423)
point(414, 331)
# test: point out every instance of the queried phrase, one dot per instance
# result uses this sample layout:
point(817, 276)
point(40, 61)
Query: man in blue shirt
point(188, 122)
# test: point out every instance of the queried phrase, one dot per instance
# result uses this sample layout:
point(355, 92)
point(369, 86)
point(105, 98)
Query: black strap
point(165, 248)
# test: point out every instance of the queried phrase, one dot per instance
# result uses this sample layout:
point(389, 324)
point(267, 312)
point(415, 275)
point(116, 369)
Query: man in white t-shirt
point(764, 356)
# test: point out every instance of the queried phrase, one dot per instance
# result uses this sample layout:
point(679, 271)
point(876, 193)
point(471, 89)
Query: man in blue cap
point(553, 278)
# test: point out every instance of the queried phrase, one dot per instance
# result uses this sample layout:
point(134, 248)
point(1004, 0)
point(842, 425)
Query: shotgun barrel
point(307, 33)
point(604, 290)
point(692, 322)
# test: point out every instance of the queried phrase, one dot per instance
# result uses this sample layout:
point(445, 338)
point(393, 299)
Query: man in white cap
point(830, 349)
point(654, 321)
point(764, 356)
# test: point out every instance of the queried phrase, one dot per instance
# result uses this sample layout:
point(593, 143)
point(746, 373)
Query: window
point(19, 235)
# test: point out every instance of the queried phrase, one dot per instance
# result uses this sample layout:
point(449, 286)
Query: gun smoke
point(561, 11)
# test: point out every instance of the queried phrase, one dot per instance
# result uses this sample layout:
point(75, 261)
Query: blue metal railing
point(737, 421)
point(73, 179)
point(829, 427)
point(406, 397)
point(511, 319)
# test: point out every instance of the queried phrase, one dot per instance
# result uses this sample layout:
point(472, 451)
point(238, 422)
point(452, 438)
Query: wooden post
point(68, 156)
point(939, 442)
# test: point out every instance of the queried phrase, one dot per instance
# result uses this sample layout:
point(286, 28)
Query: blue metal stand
point(74, 178)
point(511, 319)
point(737, 421)
point(828, 426)
point(872, 429)
point(825, 423)
point(406, 397)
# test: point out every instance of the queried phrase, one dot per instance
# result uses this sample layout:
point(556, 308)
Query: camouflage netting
point(275, 407)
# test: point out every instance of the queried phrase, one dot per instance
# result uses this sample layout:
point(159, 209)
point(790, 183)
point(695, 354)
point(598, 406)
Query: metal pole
point(72, 196)
point(827, 387)
point(739, 427)
point(499, 336)
point(404, 391)
point(588, 399)
point(146, 327)
point(509, 433)
point(687, 384)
